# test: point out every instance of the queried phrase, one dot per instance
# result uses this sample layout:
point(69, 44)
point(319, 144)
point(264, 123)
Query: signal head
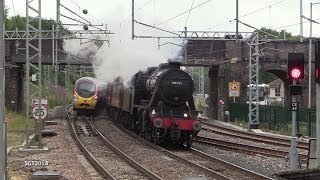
point(295, 66)
point(295, 73)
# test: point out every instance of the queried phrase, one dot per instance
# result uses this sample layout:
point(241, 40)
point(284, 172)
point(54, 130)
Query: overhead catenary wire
point(74, 19)
point(81, 22)
point(74, 13)
point(15, 15)
point(295, 24)
point(154, 27)
point(258, 29)
point(170, 19)
point(312, 20)
point(262, 8)
point(255, 11)
point(88, 12)
point(136, 11)
point(75, 4)
point(185, 25)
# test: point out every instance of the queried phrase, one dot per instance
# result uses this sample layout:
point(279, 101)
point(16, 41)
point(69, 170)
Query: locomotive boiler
point(158, 104)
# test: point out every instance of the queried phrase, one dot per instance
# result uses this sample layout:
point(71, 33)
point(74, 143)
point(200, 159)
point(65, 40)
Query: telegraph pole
point(2, 96)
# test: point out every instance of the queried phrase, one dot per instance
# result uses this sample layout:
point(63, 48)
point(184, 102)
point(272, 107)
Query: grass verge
point(16, 126)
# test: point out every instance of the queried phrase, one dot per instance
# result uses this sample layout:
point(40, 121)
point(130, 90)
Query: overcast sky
point(215, 14)
point(125, 57)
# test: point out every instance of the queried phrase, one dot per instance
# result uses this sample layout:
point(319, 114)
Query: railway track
point(158, 160)
point(278, 141)
point(230, 170)
point(208, 163)
point(246, 148)
point(108, 160)
point(250, 149)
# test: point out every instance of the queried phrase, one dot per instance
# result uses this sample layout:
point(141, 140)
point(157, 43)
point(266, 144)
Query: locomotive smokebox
point(166, 82)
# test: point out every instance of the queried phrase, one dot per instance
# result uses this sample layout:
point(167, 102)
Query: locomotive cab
point(86, 95)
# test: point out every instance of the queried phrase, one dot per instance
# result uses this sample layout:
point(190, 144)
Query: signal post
point(295, 72)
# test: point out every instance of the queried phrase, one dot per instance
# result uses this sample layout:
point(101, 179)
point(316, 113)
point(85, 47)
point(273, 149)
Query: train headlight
point(157, 123)
point(185, 115)
point(153, 113)
point(196, 126)
point(75, 96)
point(95, 97)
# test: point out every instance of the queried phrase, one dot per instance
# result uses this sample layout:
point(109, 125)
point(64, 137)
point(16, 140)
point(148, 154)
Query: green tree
point(264, 33)
point(19, 22)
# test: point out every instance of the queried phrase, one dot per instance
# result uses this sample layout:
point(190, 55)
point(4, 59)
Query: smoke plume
point(124, 57)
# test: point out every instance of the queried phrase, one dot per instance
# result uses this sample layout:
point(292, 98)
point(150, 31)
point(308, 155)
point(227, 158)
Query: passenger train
point(89, 95)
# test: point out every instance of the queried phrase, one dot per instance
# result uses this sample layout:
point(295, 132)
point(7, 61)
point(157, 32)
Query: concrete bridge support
point(214, 89)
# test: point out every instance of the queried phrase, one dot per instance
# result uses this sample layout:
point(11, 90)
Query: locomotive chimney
point(174, 64)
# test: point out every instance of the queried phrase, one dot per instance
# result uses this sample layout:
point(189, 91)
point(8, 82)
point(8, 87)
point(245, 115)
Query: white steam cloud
point(125, 57)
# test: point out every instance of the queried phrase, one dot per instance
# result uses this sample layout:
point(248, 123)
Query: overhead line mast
point(2, 96)
point(35, 80)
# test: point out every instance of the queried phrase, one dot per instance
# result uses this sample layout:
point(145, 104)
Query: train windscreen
point(86, 89)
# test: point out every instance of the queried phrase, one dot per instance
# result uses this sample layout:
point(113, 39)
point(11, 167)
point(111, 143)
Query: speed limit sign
point(234, 89)
point(36, 112)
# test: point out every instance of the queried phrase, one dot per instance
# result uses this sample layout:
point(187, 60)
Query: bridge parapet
point(16, 53)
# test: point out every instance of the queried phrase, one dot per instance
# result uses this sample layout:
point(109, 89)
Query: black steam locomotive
point(158, 103)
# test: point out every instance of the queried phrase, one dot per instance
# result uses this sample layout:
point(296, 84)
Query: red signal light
point(295, 73)
point(317, 73)
point(295, 66)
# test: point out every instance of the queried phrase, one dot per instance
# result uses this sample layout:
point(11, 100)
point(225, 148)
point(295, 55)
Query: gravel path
point(63, 156)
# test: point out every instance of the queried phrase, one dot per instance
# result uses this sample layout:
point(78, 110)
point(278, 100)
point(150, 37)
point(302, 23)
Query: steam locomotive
point(157, 103)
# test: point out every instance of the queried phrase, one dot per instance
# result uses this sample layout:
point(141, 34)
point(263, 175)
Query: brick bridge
point(14, 68)
point(273, 59)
